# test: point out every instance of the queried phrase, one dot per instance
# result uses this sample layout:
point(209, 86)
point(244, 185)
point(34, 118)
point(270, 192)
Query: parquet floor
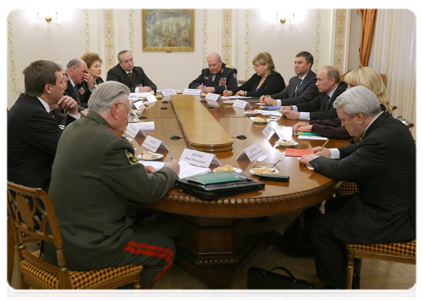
point(380, 280)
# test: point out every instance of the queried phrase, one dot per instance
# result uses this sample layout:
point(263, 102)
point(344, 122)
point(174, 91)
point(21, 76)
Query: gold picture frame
point(168, 30)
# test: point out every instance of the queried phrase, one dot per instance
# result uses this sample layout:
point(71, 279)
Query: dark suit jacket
point(32, 138)
point(83, 93)
point(307, 90)
point(316, 107)
point(138, 77)
point(383, 165)
point(274, 82)
point(225, 79)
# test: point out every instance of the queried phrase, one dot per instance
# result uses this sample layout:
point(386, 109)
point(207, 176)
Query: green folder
point(213, 178)
point(306, 133)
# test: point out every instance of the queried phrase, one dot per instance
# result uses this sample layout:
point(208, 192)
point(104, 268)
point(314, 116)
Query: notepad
point(214, 178)
point(297, 152)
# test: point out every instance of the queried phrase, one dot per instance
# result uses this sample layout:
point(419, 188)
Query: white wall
point(65, 39)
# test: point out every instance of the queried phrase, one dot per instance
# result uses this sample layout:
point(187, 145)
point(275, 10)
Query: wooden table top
point(304, 189)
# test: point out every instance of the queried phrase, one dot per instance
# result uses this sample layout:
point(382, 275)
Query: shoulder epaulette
point(229, 66)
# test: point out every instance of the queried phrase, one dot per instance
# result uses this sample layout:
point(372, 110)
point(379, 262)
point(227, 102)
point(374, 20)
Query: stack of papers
point(186, 170)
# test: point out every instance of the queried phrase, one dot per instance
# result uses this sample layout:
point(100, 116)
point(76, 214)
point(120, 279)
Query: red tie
point(130, 76)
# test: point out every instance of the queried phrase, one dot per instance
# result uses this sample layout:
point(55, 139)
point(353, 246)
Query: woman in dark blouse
point(265, 81)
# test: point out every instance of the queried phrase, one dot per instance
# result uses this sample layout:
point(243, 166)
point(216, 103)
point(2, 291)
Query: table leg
point(215, 250)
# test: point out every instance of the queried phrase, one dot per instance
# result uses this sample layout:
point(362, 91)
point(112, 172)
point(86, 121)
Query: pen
point(323, 145)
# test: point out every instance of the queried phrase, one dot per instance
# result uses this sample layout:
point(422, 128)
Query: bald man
point(217, 77)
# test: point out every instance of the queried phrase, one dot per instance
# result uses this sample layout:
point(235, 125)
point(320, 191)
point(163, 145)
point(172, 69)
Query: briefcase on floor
point(217, 185)
point(258, 278)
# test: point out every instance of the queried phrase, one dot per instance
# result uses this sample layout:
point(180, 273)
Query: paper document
point(187, 170)
point(312, 137)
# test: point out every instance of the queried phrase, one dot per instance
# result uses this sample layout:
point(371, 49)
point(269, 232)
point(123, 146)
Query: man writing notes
point(301, 88)
point(330, 87)
point(95, 176)
point(34, 124)
point(383, 164)
point(131, 76)
point(217, 77)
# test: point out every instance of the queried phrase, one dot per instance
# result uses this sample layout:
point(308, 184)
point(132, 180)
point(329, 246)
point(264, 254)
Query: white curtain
point(394, 54)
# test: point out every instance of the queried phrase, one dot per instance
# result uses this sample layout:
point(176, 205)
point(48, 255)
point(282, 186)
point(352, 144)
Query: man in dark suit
point(383, 164)
point(133, 77)
point(321, 107)
point(217, 77)
point(80, 83)
point(301, 88)
point(34, 125)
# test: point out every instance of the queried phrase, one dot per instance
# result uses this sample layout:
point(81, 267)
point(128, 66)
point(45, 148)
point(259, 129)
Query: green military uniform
point(95, 175)
point(225, 79)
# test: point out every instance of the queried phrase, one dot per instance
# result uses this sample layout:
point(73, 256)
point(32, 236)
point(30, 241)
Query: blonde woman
point(265, 81)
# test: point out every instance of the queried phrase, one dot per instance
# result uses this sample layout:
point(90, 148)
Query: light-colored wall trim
point(227, 27)
point(109, 39)
point(247, 45)
point(317, 47)
point(204, 36)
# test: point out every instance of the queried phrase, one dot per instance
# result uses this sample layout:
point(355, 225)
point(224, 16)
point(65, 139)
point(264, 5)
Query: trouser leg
point(328, 251)
point(154, 251)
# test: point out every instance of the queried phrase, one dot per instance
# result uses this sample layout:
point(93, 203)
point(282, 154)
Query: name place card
point(253, 152)
point(198, 158)
point(151, 99)
point(154, 144)
point(139, 104)
point(195, 92)
point(269, 132)
point(167, 93)
point(241, 104)
point(212, 97)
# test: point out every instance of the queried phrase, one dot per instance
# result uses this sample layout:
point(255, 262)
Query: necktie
point(130, 77)
point(298, 87)
point(327, 103)
point(75, 89)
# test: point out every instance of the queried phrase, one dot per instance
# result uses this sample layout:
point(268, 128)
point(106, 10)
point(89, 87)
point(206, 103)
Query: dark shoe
point(330, 292)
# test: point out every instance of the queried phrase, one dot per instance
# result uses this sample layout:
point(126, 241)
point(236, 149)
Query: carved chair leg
point(350, 270)
point(137, 290)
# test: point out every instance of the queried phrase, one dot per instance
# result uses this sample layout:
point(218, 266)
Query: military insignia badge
point(206, 78)
point(235, 75)
point(81, 91)
point(131, 159)
point(222, 81)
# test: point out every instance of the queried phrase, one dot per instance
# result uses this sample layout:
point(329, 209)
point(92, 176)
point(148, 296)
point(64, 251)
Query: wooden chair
point(31, 212)
point(397, 252)
point(405, 122)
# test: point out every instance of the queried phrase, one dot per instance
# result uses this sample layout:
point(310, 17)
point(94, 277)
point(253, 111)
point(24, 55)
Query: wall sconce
point(46, 16)
point(285, 16)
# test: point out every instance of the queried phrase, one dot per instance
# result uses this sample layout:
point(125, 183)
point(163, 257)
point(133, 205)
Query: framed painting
point(168, 29)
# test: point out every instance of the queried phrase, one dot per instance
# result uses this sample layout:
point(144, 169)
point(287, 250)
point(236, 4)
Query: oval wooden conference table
point(212, 245)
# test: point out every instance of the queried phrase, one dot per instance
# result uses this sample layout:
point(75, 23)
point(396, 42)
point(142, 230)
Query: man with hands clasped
point(330, 87)
point(383, 165)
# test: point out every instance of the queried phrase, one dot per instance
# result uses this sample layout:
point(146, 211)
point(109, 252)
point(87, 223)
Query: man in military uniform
point(94, 178)
point(217, 77)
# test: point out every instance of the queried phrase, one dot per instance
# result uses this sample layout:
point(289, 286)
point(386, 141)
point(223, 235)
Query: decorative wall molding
point(12, 68)
point(131, 47)
point(204, 42)
point(87, 30)
point(109, 36)
point(227, 27)
point(340, 39)
point(317, 47)
point(247, 44)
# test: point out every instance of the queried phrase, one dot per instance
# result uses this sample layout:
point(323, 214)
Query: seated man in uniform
point(95, 176)
point(127, 73)
point(217, 77)
point(34, 124)
point(383, 164)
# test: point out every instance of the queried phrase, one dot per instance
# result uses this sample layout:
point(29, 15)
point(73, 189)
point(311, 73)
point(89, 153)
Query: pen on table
point(323, 145)
point(171, 158)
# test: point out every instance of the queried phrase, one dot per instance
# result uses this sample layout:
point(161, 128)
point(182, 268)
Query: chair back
point(32, 212)
point(405, 122)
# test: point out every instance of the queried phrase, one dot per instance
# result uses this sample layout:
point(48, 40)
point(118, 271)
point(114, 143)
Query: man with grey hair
point(321, 107)
point(217, 77)
point(127, 73)
point(383, 165)
point(80, 83)
point(95, 176)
